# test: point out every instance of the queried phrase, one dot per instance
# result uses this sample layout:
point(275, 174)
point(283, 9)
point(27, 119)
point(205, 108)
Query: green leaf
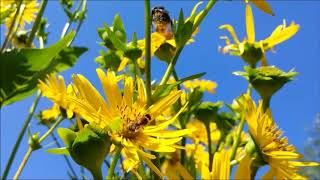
point(68, 57)
point(118, 28)
point(89, 149)
point(111, 60)
point(195, 76)
point(21, 69)
point(207, 111)
point(58, 151)
point(194, 10)
point(67, 136)
point(118, 44)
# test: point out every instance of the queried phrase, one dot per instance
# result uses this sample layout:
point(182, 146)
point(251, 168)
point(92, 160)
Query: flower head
point(173, 169)
point(126, 117)
point(251, 50)
point(204, 85)
point(27, 14)
point(199, 135)
point(273, 147)
point(56, 90)
point(221, 162)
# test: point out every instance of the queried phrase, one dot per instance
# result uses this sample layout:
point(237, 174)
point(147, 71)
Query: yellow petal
point(142, 96)
point(170, 134)
point(160, 106)
point(280, 34)
point(283, 155)
point(221, 164)
point(263, 5)
point(123, 63)
point(128, 91)
point(183, 172)
point(165, 124)
point(267, 176)
point(151, 165)
point(250, 24)
point(88, 92)
point(110, 87)
point(231, 31)
point(243, 171)
point(300, 164)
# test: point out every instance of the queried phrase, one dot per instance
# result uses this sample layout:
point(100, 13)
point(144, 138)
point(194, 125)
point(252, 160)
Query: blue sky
point(294, 107)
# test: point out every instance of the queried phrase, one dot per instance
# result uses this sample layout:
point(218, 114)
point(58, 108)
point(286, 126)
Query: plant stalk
point(237, 140)
point(114, 162)
point(20, 136)
point(28, 153)
point(209, 146)
point(37, 22)
point(23, 163)
point(265, 103)
point(147, 32)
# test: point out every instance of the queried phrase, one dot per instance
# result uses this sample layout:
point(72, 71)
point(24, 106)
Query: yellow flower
point(50, 114)
point(250, 49)
point(204, 85)
point(56, 90)
point(220, 166)
point(28, 11)
point(173, 169)
point(199, 135)
point(126, 117)
point(275, 149)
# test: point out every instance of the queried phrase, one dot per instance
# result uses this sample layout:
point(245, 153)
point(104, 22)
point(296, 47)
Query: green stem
point(20, 136)
point(209, 147)
point(204, 13)
point(265, 103)
point(28, 153)
point(114, 162)
point(37, 22)
point(65, 28)
point(58, 121)
point(171, 65)
point(83, 9)
point(4, 45)
point(181, 121)
point(147, 33)
point(237, 140)
point(23, 163)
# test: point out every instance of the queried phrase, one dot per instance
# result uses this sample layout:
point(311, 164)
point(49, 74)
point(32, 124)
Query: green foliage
point(252, 53)
point(22, 69)
point(208, 111)
point(88, 147)
point(185, 28)
point(115, 40)
point(266, 79)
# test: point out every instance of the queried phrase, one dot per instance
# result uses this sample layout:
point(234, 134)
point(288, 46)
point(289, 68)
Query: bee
point(141, 121)
point(161, 21)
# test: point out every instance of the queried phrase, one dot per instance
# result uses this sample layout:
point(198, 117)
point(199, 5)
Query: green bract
point(88, 147)
point(267, 79)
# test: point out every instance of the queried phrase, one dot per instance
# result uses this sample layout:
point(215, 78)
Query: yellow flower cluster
point(27, 12)
point(203, 85)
